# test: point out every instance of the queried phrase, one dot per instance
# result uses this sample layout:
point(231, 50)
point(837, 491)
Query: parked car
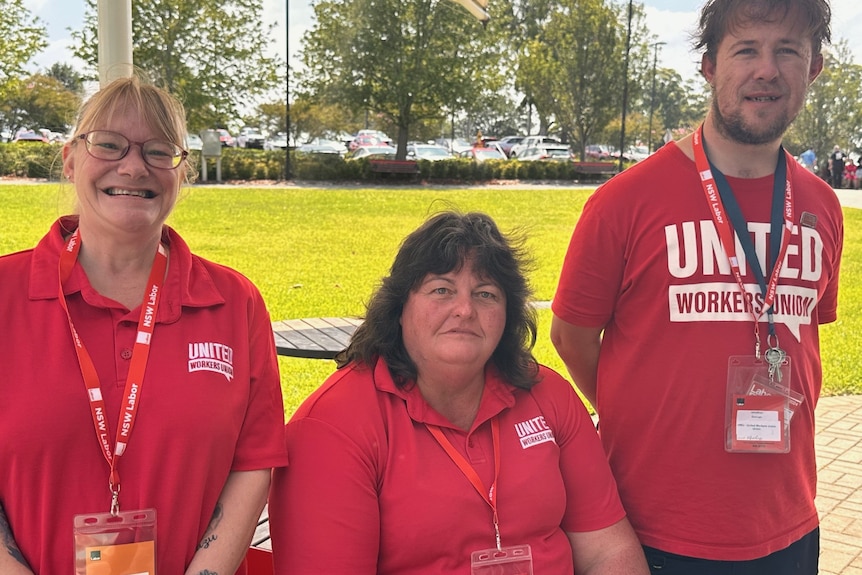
point(362, 140)
point(194, 142)
point(455, 146)
point(276, 142)
point(249, 137)
point(382, 152)
point(507, 143)
point(531, 142)
point(30, 136)
point(430, 152)
point(546, 152)
point(377, 134)
point(598, 152)
point(484, 154)
point(636, 153)
point(322, 146)
point(226, 138)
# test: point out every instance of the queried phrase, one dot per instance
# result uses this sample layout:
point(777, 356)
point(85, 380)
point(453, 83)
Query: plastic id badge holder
point(515, 560)
point(122, 544)
point(759, 406)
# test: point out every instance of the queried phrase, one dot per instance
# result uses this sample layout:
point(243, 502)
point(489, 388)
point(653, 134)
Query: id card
point(516, 560)
point(758, 407)
point(124, 544)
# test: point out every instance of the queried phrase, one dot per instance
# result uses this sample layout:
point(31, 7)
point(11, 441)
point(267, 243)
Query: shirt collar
point(496, 397)
point(188, 283)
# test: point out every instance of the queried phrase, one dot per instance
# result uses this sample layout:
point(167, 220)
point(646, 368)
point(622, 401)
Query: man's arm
point(232, 526)
point(614, 550)
point(12, 561)
point(579, 347)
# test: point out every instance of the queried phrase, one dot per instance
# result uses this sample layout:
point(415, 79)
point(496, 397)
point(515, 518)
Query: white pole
point(115, 40)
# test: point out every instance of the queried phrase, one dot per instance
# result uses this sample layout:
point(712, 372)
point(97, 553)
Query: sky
point(671, 21)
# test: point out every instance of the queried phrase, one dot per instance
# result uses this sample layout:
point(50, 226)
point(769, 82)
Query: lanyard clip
point(115, 500)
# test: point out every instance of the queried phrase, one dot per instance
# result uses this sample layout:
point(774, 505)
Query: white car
point(276, 142)
point(250, 138)
point(194, 142)
point(546, 152)
point(428, 152)
point(376, 152)
point(530, 142)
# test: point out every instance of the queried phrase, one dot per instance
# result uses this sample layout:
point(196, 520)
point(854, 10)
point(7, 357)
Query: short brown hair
point(719, 16)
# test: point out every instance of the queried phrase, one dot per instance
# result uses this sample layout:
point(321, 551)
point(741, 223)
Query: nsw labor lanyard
point(137, 367)
point(490, 496)
point(728, 217)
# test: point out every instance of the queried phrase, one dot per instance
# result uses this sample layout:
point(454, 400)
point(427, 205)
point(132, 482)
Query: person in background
point(836, 165)
point(139, 380)
point(809, 159)
point(689, 303)
point(849, 175)
point(440, 442)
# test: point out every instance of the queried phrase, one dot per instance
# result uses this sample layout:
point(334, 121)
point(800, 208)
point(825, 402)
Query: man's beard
point(734, 127)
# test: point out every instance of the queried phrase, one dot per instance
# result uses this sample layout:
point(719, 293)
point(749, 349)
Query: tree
point(66, 75)
point(23, 36)
point(678, 104)
point(39, 102)
point(406, 60)
point(833, 109)
point(209, 53)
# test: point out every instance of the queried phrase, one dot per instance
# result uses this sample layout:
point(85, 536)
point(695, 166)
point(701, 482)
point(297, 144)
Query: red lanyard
point(490, 496)
point(135, 379)
point(725, 231)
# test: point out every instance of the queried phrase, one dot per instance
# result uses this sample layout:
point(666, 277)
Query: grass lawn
point(321, 252)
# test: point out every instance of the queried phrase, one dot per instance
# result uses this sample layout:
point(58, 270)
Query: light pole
point(625, 87)
point(287, 170)
point(655, 46)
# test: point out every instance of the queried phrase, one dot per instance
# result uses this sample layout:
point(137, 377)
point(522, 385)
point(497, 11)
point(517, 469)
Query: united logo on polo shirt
point(534, 431)
point(211, 356)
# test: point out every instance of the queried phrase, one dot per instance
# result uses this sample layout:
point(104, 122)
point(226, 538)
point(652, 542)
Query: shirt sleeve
point(592, 500)
point(260, 442)
point(324, 513)
point(592, 270)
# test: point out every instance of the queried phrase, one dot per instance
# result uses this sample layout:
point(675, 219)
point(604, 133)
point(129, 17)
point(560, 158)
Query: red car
point(225, 138)
point(363, 140)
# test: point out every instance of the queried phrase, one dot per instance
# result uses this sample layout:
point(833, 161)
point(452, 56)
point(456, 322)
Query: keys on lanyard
point(775, 357)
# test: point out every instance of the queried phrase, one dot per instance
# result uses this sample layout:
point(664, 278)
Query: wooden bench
point(394, 167)
point(595, 168)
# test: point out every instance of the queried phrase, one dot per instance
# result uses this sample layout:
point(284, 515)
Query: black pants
point(801, 558)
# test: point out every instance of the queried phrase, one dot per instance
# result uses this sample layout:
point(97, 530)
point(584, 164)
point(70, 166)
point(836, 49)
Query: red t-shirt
point(201, 414)
point(646, 264)
point(370, 491)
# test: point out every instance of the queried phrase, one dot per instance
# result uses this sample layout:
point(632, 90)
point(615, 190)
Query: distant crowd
point(839, 170)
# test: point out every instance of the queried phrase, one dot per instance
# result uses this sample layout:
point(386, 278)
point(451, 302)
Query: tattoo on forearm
point(9, 540)
point(207, 541)
point(210, 536)
point(207, 572)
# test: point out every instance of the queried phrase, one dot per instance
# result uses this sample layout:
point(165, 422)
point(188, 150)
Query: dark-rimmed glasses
point(106, 145)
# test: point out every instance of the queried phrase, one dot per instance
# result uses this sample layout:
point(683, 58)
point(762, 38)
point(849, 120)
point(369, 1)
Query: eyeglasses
point(112, 146)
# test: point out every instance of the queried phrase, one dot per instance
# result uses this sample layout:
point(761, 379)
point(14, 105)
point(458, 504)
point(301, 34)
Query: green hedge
point(31, 160)
point(34, 160)
point(328, 167)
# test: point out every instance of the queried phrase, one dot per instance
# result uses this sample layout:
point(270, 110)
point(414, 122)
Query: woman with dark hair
point(440, 445)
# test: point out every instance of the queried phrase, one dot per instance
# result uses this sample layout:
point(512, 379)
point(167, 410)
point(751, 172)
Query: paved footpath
point(839, 484)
